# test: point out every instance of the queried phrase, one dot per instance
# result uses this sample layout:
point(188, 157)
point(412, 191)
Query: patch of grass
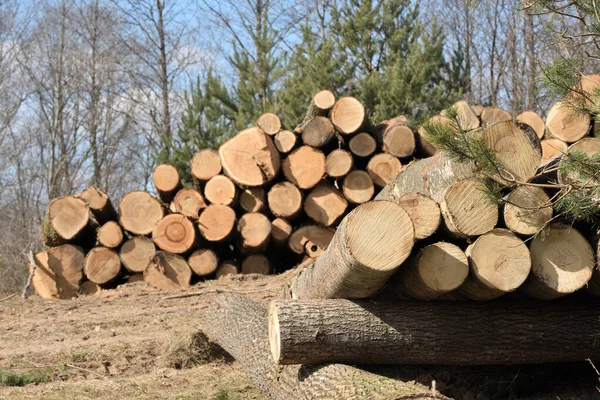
point(189, 348)
point(38, 375)
point(222, 395)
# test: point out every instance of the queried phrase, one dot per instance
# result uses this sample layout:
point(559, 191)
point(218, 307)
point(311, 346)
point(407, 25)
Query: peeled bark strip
point(227, 267)
point(280, 231)
point(203, 262)
point(500, 262)
point(110, 235)
point(220, 190)
point(175, 233)
point(320, 105)
point(136, 253)
point(189, 202)
point(562, 261)
point(304, 167)
point(397, 139)
point(256, 264)
point(536, 122)
point(493, 114)
point(217, 223)
point(452, 333)
point(101, 265)
point(253, 200)
point(285, 141)
point(318, 132)
point(100, 204)
point(348, 115)
point(66, 221)
point(339, 163)
point(552, 149)
point(269, 123)
point(527, 210)
point(435, 270)
point(139, 212)
point(254, 231)
point(383, 168)
point(205, 164)
point(358, 187)
point(424, 213)
point(166, 181)
point(250, 158)
point(566, 125)
point(325, 204)
point(588, 146)
point(240, 327)
point(317, 235)
point(369, 244)
point(362, 145)
point(285, 200)
point(467, 118)
point(168, 271)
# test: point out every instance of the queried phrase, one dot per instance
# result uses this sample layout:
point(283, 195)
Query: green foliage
point(37, 375)
point(579, 205)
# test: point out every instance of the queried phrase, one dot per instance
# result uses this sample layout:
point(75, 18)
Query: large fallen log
point(452, 333)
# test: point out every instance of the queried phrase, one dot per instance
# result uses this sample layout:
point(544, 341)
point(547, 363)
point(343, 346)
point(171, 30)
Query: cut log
point(500, 262)
point(220, 190)
point(239, 326)
point(43, 278)
point(317, 235)
point(424, 213)
point(227, 267)
point(493, 114)
point(367, 332)
point(139, 212)
point(536, 122)
point(253, 200)
point(67, 221)
point(166, 181)
point(565, 124)
point(362, 145)
point(285, 141)
point(477, 109)
point(217, 223)
point(318, 132)
point(285, 200)
point(304, 167)
point(527, 210)
point(551, 150)
point(89, 288)
point(424, 146)
point(468, 210)
point(467, 118)
point(175, 233)
point(135, 278)
point(205, 164)
point(269, 123)
point(256, 264)
point(590, 147)
point(320, 105)
point(100, 205)
point(203, 262)
point(348, 115)
point(58, 272)
point(101, 265)
point(280, 231)
point(188, 202)
point(358, 187)
point(339, 163)
point(136, 253)
point(168, 271)
point(312, 250)
point(110, 235)
point(369, 245)
point(562, 261)
point(325, 204)
point(589, 85)
point(383, 168)
point(254, 232)
point(434, 270)
point(250, 158)
point(396, 139)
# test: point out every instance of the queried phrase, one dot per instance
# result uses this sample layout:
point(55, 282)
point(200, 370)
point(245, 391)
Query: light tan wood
point(424, 146)
point(43, 279)
point(397, 139)
point(217, 222)
point(304, 167)
point(325, 204)
point(285, 141)
point(358, 187)
point(348, 115)
point(110, 235)
point(589, 146)
point(566, 125)
point(175, 233)
point(493, 114)
point(362, 145)
point(269, 123)
point(89, 288)
point(589, 84)
point(285, 200)
point(467, 118)
point(339, 163)
point(318, 235)
point(168, 271)
point(166, 181)
point(227, 267)
point(139, 212)
point(383, 168)
point(424, 213)
point(101, 265)
point(551, 150)
point(320, 105)
point(250, 158)
point(253, 200)
point(205, 164)
point(135, 278)
point(254, 232)
point(136, 253)
point(256, 264)
point(67, 218)
point(100, 204)
point(188, 202)
point(58, 272)
point(280, 231)
point(318, 132)
point(536, 122)
point(527, 210)
point(313, 250)
point(477, 109)
point(221, 190)
point(203, 262)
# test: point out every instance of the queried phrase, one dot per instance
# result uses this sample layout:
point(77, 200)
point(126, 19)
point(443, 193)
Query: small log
point(383, 168)
point(312, 250)
point(175, 233)
point(424, 146)
point(250, 158)
point(110, 235)
point(43, 278)
point(205, 164)
point(527, 210)
point(89, 288)
point(493, 114)
point(136, 253)
point(536, 122)
point(325, 204)
point(589, 146)
point(217, 223)
point(168, 272)
point(203, 262)
point(477, 109)
point(562, 262)
point(566, 125)
point(551, 150)
point(589, 85)
point(254, 232)
point(396, 139)
point(269, 123)
point(285, 141)
point(101, 265)
point(166, 181)
point(67, 221)
point(139, 212)
point(304, 167)
point(348, 115)
point(227, 267)
point(317, 235)
point(256, 264)
point(434, 270)
point(280, 231)
point(58, 272)
point(221, 190)
point(424, 213)
point(253, 200)
point(318, 132)
point(188, 202)
point(362, 145)
point(285, 200)
point(358, 187)
point(135, 278)
point(320, 105)
point(339, 163)
point(369, 245)
point(467, 118)
point(100, 205)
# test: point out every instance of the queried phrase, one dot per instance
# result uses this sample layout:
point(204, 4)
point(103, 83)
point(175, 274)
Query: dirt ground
point(132, 342)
